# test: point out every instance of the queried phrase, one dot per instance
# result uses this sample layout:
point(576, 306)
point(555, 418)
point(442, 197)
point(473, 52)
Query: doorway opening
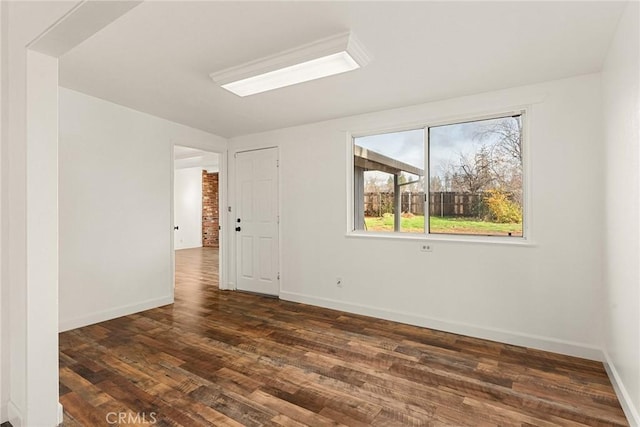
point(197, 214)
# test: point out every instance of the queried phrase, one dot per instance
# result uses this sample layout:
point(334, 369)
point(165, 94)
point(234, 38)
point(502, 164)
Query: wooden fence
point(445, 203)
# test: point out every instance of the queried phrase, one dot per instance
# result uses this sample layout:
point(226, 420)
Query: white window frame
point(524, 111)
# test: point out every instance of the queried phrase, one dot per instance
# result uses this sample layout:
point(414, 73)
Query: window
point(389, 177)
point(472, 185)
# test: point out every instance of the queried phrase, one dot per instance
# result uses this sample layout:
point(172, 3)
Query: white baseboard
point(179, 248)
point(60, 413)
point(14, 414)
point(101, 316)
point(499, 335)
point(630, 410)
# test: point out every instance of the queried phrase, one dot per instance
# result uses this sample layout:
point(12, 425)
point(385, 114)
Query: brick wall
point(210, 210)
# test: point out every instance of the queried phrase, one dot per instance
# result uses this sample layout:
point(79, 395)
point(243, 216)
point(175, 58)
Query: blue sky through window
point(448, 143)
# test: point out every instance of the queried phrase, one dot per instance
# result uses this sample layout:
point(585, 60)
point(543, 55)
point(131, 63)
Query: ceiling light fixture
point(322, 58)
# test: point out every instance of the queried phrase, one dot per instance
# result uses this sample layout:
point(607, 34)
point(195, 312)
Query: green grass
point(445, 225)
point(410, 225)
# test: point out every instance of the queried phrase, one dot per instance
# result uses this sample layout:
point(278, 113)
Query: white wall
point(621, 94)
point(187, 198)
point(115, 208)
point(544, 295)
point(4, 289)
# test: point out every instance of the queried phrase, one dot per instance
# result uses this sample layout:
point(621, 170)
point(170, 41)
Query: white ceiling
point(186, 157)
point(158, 57)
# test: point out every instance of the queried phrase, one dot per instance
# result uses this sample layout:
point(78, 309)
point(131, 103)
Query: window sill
point(487, 240)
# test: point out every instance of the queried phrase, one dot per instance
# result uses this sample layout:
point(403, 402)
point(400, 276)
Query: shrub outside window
point(472, 183)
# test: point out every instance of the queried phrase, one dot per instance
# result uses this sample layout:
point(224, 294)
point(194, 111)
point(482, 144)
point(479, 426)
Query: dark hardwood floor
point(218, 358)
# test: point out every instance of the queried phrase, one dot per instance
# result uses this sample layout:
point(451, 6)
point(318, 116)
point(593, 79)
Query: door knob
point(238, 228)
point(176, 227)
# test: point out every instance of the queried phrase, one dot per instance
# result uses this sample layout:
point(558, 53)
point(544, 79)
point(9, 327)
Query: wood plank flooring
point(221, 358)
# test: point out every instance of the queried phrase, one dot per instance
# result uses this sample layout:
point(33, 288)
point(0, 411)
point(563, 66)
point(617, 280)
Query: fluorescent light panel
point(299, 73)
point(326, 57)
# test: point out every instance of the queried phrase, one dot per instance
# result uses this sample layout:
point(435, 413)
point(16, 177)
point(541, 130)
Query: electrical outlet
point(426, 247)
point(339, 282)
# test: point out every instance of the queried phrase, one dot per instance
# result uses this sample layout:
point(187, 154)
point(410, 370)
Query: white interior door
point(257, 245)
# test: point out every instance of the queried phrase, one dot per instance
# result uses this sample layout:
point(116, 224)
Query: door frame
point(231, 212)
point(222, 202)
